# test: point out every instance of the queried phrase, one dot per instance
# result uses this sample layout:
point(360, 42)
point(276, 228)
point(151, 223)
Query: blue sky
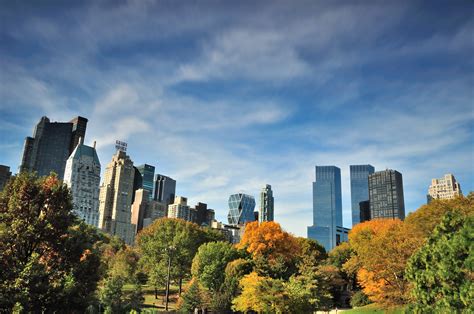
point(229, 96)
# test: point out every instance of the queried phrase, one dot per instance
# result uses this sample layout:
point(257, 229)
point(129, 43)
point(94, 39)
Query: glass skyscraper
point(165, 189)
point(386, 195)
point(241, 207)
point(147, 173)
point(359, 188)
point(327, 206)
point(266, 204)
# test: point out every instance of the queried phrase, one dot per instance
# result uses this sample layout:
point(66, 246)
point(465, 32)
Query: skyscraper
point(266, 204)
point(241, 208)
point(386, 195)
point(51, 145)
point(165, 189)
point(147, 173)
point(5, 175)
point(180, 209)
point(145, 211)
point(359, 188)
point(116, 197)
point(444, 188)
point(327, 207)
point(202, 215)
point(82, 175)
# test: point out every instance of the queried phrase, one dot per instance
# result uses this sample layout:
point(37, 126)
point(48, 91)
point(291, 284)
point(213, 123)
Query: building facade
point(444, 188)
point(241, 209)
point(359, 188)
point(115, 198)
point(327, 206)
point(145, 211)
point(386, 195)
point(82, 175)
point(147, 173)
point(266, 204)
point(5, 175)
point(202, 215)
point(364, 208)
point(180, 209)
point(51, 145)
point(164, 189)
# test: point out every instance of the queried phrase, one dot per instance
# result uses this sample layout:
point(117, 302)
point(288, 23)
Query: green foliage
point(442, 271)
point(193, 297)
point(210, 262)
point(359, 299)
point(110, 295)
point(48, 259)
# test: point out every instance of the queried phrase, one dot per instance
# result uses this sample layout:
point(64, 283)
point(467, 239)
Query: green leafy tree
point(169, 238)
point(359, 298)
point(210, 262)
point(48, 260)
point(194, 297)
point(111, 295)
point(442, 271)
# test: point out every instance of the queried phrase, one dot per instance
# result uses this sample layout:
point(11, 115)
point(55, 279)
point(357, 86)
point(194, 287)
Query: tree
point(423, 221)
point(194, 297)
point(382, 249)
point(110, 295)
point(442, 271)
point(210, 262)
point(273, 250)
point(49, 260)
point(262, 295)
point(169, 238)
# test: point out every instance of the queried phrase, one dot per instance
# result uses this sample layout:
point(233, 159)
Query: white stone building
point(444, 188)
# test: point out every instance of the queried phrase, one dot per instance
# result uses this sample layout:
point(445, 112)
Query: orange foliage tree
point(273, 250)
point(382, 248)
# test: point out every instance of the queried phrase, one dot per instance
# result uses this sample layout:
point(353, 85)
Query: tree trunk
point(180, 285)
point(156, 293)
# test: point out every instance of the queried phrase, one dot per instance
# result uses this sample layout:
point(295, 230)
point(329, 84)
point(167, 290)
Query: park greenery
point(52, 262)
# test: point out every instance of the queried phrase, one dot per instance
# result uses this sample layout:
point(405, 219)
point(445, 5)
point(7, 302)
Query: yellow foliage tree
point(382, 249)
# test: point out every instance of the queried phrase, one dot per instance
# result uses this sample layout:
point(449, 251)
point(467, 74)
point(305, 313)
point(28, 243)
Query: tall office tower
point(115, 198)
point(266, 204)
point(327, 207)
point(147, 173)
point(5, 175)
point(137, 182)
point(203, 215)
point(82, 175)
point(359, 188)
point(386, 195)
point(165, 189)
point(180, 209)
point(51, 145)
point(364, 209)
point(444, 188)
point(145, 211)
point(241, 207)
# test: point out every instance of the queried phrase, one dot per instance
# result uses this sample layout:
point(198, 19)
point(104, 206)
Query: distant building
point(180, 209)
point(165, 189)
point(82, 175)
point(327, 207)
point(147, 173)
point(359, 188)
point(145, 211)
point(232, 233)
point(115, 198)
point(241, 209)
point(444, 188)
point(386, 195)
point(51, 145)
point(202, 215)
point(5, 175)
point(364, 208)
point(266, 204)
point(137, 182)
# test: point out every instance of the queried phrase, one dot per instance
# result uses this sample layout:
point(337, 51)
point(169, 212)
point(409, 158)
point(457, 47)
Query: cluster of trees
point(50, 260)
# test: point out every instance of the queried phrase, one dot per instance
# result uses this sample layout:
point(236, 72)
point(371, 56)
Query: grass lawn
point(152, 305)
point(374, 308)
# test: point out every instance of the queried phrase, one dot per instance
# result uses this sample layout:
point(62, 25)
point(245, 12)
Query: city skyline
point(236, 99)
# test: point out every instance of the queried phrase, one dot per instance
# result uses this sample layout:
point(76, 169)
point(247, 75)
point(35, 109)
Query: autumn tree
point(382, 249)
point(194, 297)
point(48, 259)
point(442, 271)
point(273, 250)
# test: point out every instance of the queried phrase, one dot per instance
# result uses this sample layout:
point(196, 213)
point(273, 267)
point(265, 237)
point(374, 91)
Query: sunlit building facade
point(241, 209)
point(444, 188)
point(266, 204)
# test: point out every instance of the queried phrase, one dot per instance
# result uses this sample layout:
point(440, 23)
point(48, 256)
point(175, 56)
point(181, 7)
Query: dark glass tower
point(147, 173)
point(165, 189)
point(51, 145)
point(241, 209)
point(359, 188)
point(327, 206)
point(386, 195)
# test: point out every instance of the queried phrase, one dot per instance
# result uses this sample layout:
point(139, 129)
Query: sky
point(227, 96)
